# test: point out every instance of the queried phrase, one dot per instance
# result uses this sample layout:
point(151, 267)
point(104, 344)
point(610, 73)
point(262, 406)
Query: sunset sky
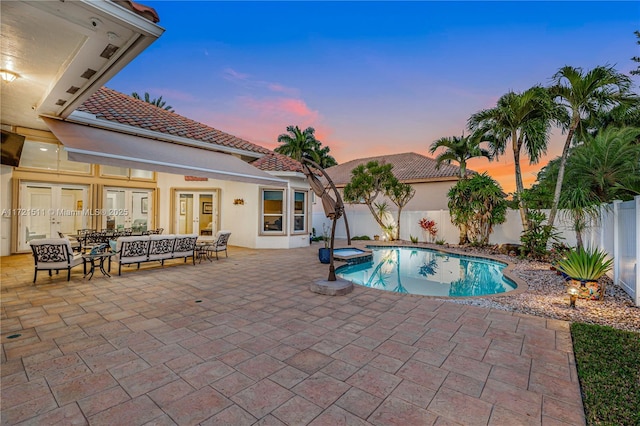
point(372, 78)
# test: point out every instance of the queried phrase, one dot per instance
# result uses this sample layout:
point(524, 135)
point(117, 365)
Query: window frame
point(261, 216)
point(304, 214)
point(60, 149)
point(103, 174)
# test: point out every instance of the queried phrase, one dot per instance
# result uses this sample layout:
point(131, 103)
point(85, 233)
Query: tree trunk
point(563, 161)
point(579, 243)
point(517, 144)
point(398, 231)
point(375, 216)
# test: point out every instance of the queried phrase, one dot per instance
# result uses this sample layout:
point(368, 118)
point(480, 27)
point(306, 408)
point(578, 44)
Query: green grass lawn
point(608, 362)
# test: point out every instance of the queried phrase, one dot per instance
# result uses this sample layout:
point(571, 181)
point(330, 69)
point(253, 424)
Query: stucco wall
point(5, 203)
point(243, 220)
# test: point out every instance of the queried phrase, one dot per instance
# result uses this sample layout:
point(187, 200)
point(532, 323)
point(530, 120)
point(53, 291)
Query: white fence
point(618, 233)
point(361, 222)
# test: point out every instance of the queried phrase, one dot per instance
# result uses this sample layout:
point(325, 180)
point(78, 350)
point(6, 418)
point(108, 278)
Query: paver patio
point(242, 341)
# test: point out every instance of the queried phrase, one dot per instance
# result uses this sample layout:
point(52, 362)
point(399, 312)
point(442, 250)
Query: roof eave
point(91, 120)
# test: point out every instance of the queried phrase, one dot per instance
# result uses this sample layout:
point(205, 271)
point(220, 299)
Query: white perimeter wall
point(361, 222)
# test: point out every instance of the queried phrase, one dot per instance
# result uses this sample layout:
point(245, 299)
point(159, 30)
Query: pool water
point(428, 273)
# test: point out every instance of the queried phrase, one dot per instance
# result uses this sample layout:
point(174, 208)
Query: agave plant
point(585, 264)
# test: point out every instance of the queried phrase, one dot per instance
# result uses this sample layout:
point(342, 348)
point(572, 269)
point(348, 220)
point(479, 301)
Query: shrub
point(535, 239)
point(585, 264)
point(429, 227)
point(413, 239)
point(361, 237)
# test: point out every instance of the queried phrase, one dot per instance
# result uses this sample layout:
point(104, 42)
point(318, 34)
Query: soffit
point(51, 44)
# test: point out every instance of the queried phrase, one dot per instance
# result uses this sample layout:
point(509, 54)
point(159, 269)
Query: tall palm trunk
point(517, 144)
point(575, 120)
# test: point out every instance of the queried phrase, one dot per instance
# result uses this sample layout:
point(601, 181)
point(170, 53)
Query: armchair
point(54, 254)
point(220, 243)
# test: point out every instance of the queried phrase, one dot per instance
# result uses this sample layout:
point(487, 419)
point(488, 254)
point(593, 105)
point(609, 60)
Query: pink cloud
point(280, 108)
point(233, 75)
point(277, 87)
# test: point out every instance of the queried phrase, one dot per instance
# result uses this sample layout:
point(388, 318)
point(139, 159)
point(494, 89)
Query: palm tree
point(608, 164)
point(583, 95)
point(636, 58)
point(157, 102)
point(296, 143)
point(324, 159)
point(459, 149)
point(524, 119)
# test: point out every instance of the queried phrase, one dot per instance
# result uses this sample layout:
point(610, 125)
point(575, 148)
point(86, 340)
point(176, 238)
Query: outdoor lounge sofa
point(148, 248)
point(54, 254)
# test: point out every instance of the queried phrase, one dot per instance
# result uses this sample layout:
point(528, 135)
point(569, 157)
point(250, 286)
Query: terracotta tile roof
point(408, 167)
point(146, 12)
point(277, 163)
point(110, 105)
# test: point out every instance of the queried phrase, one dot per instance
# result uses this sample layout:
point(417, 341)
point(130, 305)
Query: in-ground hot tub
point(352, 255)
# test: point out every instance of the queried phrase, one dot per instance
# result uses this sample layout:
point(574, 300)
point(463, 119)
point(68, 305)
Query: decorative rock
point(331, 288)
point(547, 296)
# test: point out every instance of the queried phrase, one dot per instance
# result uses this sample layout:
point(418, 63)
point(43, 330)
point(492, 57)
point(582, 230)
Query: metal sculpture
point(333, 208)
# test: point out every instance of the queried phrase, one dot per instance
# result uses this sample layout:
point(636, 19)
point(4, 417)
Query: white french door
point(196, 213)
point(127, 208)
point(47, 209)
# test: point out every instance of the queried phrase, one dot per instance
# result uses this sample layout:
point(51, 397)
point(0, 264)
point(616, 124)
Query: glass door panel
point(47, 209)
point(128, 208)
point(197, 213)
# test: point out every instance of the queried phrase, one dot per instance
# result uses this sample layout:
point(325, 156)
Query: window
point(50, 156)
point(299, 211)
point(272, 211)
point(126, 172)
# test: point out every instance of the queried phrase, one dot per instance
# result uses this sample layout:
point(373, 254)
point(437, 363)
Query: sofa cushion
point(133, 249)
point(161, 246)
point(184, 246)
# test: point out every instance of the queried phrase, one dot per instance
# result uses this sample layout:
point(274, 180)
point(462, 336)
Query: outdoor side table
point(201, 250)
point(98, 260)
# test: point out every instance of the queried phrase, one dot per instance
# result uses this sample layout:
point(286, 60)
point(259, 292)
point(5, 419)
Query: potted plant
point(584, 267)
point(324, 253)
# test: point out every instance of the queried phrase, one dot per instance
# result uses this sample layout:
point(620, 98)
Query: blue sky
point(372, 78)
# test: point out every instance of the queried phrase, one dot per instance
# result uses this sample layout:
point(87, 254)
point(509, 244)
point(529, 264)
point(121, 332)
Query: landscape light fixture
point(8, 76)
point(573, 295)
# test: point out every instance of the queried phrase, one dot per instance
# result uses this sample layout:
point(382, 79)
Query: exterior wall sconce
point(8, 76)
point(238, 201)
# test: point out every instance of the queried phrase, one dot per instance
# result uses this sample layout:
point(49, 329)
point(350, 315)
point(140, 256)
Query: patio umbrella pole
point(332, 269)
point(334, 210)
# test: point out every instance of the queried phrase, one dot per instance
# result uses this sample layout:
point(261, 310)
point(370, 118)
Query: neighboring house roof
point(408, 167)
point(146, 12)
point(110, 105)
point(277, 163)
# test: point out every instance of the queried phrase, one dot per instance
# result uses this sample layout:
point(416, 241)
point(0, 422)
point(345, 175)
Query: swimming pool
point(428, 273)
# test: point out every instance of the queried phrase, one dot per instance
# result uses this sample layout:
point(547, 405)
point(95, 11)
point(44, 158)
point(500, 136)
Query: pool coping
point(521, 285)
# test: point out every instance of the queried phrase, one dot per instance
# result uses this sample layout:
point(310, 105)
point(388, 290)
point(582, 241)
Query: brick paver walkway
point(242, 341)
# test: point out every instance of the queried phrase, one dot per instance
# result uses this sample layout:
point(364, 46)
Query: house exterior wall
point(5, 202)
point(242, 219)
